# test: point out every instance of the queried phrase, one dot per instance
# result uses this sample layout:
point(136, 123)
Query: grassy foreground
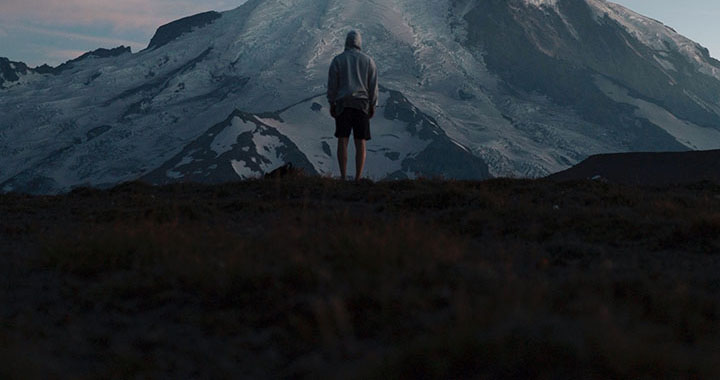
point(312, 277)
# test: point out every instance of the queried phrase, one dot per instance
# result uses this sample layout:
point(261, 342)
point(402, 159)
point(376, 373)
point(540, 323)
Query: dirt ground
point(313, 277)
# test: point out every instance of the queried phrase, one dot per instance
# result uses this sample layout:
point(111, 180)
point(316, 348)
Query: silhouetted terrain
point(650, 168)
point(311, 277)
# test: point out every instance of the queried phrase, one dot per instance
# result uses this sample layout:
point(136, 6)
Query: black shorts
point(354, 120)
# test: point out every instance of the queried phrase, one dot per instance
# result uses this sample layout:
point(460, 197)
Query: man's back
point(353, 96)
point(352, 80)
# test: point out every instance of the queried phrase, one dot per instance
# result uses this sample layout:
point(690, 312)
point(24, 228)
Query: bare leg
point(342, 155)
point(359, 158)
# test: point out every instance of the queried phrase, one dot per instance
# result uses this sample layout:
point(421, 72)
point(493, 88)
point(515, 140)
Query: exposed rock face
point(175, 29)
point(11, 71)
point(442, 157)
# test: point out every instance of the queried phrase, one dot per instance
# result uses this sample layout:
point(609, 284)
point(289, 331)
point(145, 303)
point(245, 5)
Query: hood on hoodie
point(353, 40)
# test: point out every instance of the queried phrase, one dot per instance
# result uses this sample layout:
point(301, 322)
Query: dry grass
point(315, 277)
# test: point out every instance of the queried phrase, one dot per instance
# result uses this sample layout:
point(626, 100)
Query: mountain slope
point(505, 87)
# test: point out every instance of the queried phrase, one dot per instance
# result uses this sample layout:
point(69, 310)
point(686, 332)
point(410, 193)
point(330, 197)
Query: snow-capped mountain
point(471, 88)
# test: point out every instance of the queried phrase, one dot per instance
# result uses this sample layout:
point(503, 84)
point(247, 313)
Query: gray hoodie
point(353, 79)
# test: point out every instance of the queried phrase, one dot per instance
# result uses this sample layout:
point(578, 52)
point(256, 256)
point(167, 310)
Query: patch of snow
point(186, 160)
point(545, 3)
point(689, 134)
point(667, 65)
point(173, 174)
point(225, 140)
point(242, 170)
point(267, 146)
point(460, 145)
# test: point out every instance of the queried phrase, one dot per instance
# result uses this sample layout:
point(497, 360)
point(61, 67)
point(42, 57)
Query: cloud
point(119, 15)
point(61, 54)
point(3, 32)
point(104, 41)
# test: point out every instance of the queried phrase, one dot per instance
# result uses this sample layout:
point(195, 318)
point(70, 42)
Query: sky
point(54, 31)
point(698, 20)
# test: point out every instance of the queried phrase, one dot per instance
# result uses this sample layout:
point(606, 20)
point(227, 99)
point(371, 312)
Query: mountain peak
point(106, 53)
point(171, 31)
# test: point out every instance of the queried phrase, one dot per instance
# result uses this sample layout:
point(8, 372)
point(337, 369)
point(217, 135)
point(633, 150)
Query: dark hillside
point(312, 277)
point(647, 168)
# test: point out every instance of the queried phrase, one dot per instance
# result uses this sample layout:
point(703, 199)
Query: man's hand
point(332, 111)
point(372, 112)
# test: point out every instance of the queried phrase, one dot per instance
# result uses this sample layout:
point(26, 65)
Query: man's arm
point(373, 87)
point(332, 87)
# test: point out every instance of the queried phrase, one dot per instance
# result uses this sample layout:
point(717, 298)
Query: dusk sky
point(54, 31)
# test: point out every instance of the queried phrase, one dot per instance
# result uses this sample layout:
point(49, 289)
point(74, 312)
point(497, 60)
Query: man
point(353, 95)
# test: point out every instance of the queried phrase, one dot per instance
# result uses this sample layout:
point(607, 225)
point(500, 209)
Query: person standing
point(353, 96)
